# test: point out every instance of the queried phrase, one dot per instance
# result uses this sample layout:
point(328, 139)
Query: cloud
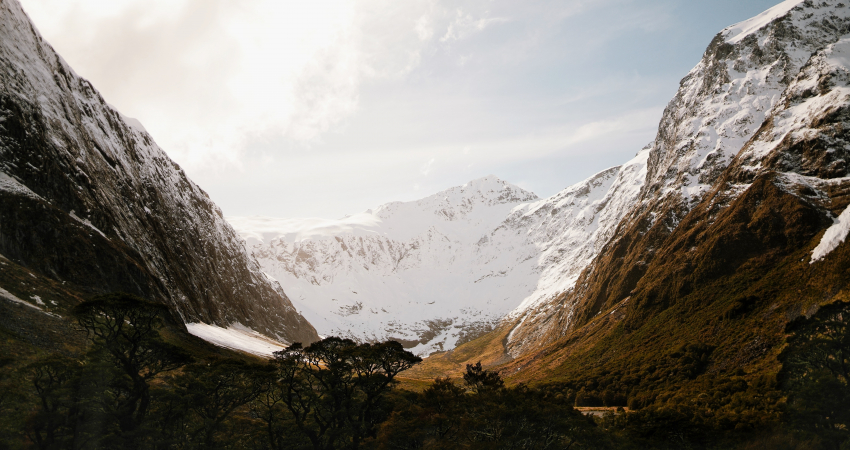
point(311, 108)
point(426, 168)
point(209, 79)
point(424, 29)
point(464, 25)
point(206, 77)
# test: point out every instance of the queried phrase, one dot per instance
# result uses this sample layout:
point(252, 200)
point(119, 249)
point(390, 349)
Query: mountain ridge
point(105, 209)
point(722, 108)
point(488, 255)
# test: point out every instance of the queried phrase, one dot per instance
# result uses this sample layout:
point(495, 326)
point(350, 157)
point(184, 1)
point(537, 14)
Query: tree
point(335, 388)
point(214, 390)
point(14, 400)
point(56, 380)
point(126, 353)
point(269, 408)
point(446, 416)
point(433, 418)
point(816, 371)
point(480, 380)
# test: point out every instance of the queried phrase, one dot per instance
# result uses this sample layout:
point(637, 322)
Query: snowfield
point(441, 270)
point(236, 337)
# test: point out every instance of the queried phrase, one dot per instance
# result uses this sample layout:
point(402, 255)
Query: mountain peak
point(490, 189)
point(736, 33)
point(486, 180)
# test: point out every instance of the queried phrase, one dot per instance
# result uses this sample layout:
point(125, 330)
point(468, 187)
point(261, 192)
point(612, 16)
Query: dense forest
point(132, 386)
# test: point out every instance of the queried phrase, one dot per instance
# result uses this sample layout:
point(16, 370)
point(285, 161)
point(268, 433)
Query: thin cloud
point(465, 25)
point(426, 168)
point(293, 108)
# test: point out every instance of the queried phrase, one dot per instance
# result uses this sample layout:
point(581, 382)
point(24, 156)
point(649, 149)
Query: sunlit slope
point(735, 232)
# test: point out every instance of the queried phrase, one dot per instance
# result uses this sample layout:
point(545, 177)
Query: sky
point(323, 108)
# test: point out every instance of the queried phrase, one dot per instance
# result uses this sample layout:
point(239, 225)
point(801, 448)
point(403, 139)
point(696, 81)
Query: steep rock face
point(89, 199)
point(765, 107)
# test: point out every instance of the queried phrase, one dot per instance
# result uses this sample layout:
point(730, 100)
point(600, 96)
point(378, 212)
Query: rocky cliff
point(87, 198)
point(763, 115)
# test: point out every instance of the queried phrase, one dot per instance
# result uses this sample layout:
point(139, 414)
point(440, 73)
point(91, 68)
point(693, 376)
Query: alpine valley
point(700, 291)
point(749, 161)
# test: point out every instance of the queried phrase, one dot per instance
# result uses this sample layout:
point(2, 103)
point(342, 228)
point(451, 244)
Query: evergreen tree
point(214, 391)
point(335, 389)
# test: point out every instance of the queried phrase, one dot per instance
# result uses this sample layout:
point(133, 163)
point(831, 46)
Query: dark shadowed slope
point(88, 198)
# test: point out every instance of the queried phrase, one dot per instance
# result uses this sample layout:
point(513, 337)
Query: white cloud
point(426, 168)
point(424, 29)
point(287, 107)
point(464, 25)
point(206, 77)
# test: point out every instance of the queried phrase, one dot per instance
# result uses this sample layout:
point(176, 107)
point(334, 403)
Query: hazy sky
point(329, 107)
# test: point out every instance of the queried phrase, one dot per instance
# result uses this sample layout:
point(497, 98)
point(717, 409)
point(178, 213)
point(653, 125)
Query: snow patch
point(236, 337)
point(12, 298)
point(834, 236)
point(134, 123)
point(736, 33)
point(86, 223)
point(14, 186)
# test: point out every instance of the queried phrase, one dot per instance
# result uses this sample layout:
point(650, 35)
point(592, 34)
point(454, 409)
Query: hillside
point(738, 229)
point(89, 202)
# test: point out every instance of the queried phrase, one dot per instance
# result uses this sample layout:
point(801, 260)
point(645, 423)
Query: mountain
point(90, 203)
point(738, 227)
point(440, 271)
point(759, 121)
point(422, 272)
point(763, 110)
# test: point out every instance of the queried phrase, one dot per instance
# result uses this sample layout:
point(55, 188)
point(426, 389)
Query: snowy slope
point(764, 98)
point(441, 270)
point(88, 198)
point(724, 100)
point(413, 271)
point(527, 266)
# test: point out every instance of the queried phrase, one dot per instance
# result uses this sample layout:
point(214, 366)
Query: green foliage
point(213, 391)
point(131, 389)
point(480, 380)
point(57, 384)
point(126, 353)
point(14, 404)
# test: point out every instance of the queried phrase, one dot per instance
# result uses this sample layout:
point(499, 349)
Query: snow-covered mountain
point(768, 100)
point(547, 266)
point(88, 200)
point(421, 272)
point(439, 271)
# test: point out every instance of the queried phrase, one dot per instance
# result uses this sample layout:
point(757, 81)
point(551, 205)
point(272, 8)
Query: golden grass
point(489, 349)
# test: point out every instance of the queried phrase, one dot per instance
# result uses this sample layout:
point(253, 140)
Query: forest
point(133, 385)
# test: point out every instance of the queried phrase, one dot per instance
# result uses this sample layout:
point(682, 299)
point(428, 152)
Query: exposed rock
point(761, 121)
point(87, 197)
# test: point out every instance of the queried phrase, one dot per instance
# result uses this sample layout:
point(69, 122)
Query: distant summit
point(437, 271)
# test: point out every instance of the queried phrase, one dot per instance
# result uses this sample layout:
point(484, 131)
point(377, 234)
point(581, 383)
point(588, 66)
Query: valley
point(702, 284)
